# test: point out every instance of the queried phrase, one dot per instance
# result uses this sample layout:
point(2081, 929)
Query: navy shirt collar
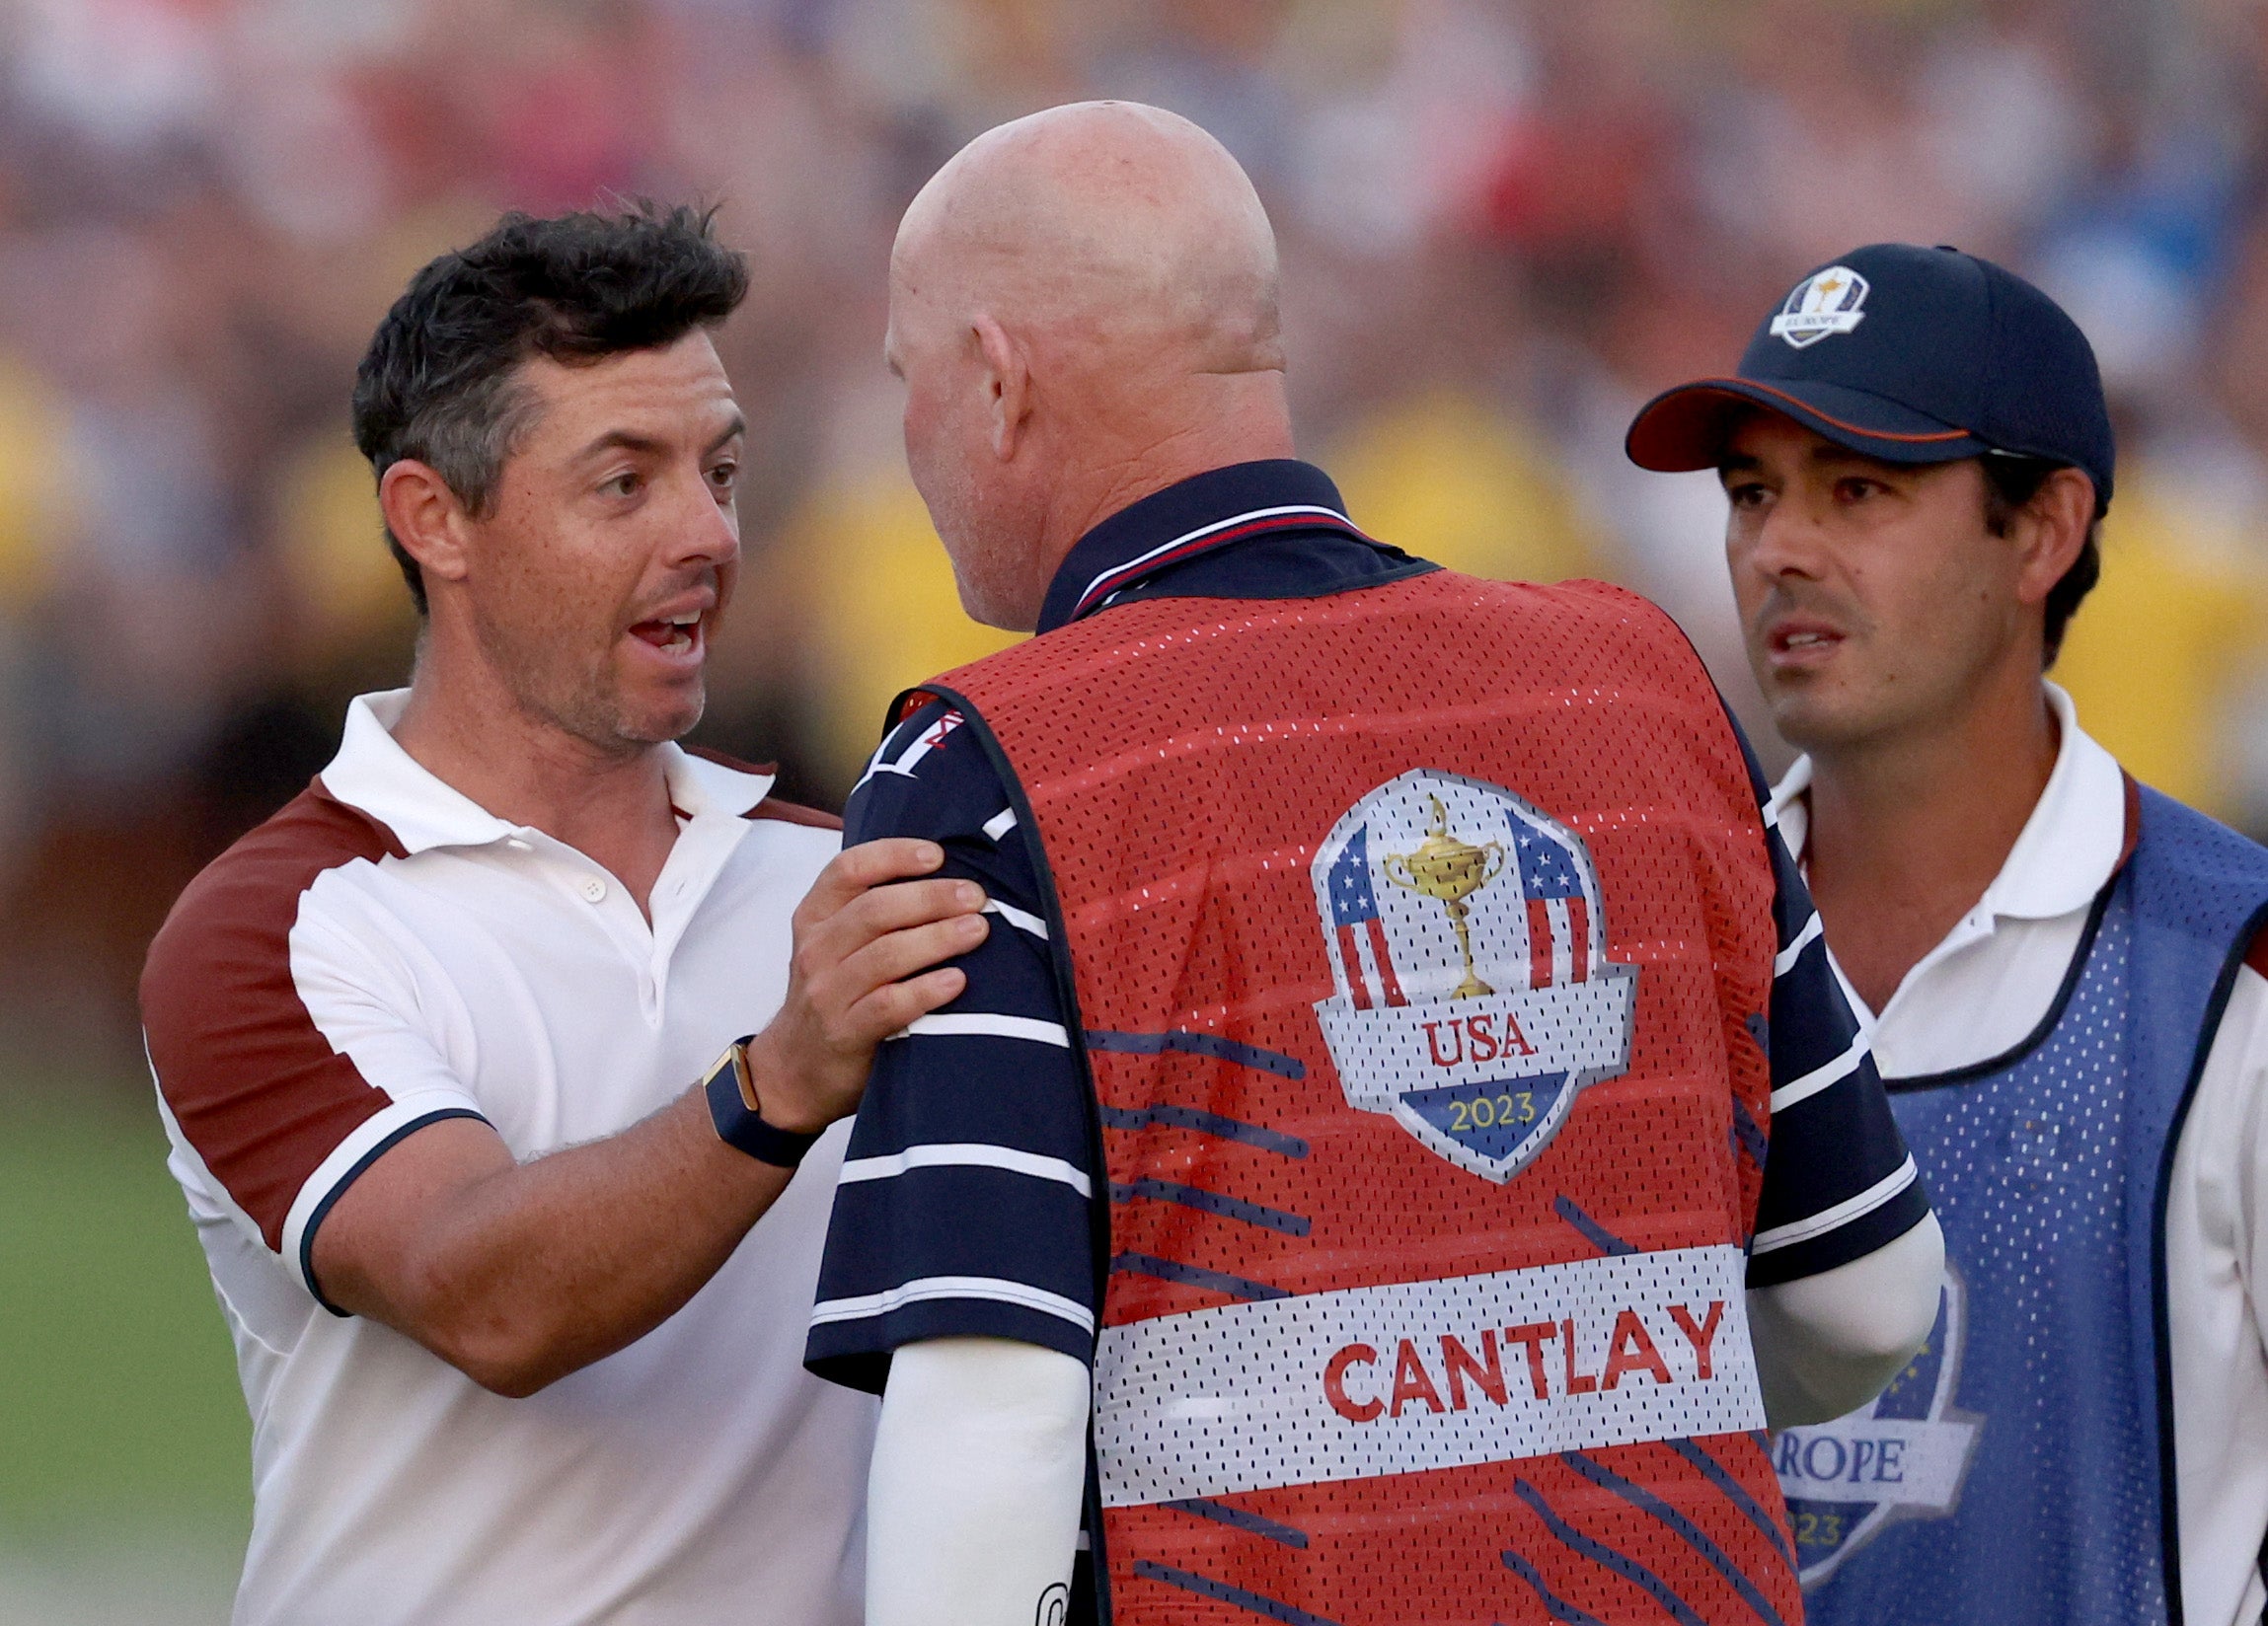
point(1213, 510)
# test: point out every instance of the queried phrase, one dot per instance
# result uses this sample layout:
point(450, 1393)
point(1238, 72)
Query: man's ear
point(2050, 530)
point(1006, 384)
point(427, 518)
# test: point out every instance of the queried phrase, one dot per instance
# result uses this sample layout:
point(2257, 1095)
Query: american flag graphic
point(1362, 950)
point(1551, 884)
point(1559, 920)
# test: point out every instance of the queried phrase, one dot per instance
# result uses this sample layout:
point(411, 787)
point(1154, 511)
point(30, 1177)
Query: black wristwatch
point(740, 1115)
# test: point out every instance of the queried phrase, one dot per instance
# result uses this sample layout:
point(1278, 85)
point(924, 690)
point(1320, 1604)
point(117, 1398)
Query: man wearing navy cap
point(2060, 965)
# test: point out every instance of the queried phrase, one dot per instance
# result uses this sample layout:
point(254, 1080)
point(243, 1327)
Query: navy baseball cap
point(1906, 354)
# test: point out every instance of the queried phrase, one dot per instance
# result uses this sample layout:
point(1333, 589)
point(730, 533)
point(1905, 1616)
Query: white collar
point(374, 773)
point(2068, 848)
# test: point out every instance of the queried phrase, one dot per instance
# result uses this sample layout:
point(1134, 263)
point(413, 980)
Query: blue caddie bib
point(2021, 1469)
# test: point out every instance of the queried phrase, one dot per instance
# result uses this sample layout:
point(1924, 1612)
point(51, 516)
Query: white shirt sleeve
point(2215, 1247)
point(292, 1043)
point(1827, 1344)
point(978, 1477)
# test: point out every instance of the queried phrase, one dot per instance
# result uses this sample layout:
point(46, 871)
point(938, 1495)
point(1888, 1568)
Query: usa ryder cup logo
point(1474, 998)
point(1823, 302)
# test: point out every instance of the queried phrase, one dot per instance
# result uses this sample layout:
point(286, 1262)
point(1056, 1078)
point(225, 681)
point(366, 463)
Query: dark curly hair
point(438, 381)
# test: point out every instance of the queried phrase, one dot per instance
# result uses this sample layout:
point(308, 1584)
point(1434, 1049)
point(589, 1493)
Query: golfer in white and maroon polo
point(518, 1297)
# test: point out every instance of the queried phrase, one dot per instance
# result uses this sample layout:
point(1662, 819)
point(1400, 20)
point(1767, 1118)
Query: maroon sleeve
point(254, 1084)
point(772, 807)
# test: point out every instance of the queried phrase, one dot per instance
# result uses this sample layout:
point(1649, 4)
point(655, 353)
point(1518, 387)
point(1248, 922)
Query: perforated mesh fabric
point(1184, 762)
point(2049, 1175)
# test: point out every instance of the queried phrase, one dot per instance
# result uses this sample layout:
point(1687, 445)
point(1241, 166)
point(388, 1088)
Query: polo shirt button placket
point(515, 1014)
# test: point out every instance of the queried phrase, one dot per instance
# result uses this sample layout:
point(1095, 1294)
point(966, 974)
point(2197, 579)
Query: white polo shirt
point(383, 953)
point(1981, 991)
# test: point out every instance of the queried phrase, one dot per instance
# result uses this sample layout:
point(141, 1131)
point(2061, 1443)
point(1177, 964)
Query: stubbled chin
point(649, 710)
point(659, 724)
point(1808, 717)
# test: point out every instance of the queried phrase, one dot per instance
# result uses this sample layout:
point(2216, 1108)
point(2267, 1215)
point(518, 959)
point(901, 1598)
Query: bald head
point(1083, 304)
point(1112, 222)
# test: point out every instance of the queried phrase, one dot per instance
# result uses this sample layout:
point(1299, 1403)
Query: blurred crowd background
point(1504, 224)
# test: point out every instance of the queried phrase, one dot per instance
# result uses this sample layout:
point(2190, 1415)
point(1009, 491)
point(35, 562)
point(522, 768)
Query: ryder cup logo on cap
point(1473, 994)
point(1823, 302)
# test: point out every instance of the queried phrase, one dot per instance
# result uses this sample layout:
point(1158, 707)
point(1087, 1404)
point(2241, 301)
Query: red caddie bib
point(1417, 934)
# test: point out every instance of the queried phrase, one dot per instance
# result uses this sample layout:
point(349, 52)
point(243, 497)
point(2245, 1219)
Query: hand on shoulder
point(869, 939)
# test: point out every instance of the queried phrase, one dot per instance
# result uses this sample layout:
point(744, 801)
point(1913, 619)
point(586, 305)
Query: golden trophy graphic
point(1449, 871)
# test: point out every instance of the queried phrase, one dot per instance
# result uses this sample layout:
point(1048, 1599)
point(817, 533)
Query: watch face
point(738, 1055)
point(724, 1058)
point(738, 1117)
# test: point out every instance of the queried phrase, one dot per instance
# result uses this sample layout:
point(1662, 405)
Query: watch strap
point(740, 1115)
